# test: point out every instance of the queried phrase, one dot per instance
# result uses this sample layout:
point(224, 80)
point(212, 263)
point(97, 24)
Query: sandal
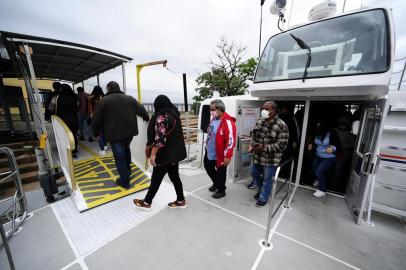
point(141, 204)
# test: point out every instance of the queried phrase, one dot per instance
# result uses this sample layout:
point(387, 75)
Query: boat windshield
point(351, 44)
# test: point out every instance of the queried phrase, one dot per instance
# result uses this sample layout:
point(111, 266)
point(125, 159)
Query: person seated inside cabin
point(325, 145)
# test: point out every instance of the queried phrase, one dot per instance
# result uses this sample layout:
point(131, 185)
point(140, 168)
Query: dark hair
point(97, 91)
point(56, 86)
point(112, 86)
point(80, 89)
point(65, 88)
point(273, 104)
point(162, 102)
point(322, 129)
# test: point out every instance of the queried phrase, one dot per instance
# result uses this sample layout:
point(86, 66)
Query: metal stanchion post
point(287, 206)
point(7, 248)
point(202, 149)
point(266, 242)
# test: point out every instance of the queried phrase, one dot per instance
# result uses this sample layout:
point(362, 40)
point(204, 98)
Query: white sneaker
point(316, 183)
point(106, 148)
point(319, 194)
point(102, 152)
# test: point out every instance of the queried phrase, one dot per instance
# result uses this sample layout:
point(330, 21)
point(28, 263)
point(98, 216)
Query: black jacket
point(174, 150)
point(67, 109)
point(116, 115)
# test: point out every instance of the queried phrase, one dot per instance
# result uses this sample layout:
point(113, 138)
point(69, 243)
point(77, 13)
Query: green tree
point(228, 74)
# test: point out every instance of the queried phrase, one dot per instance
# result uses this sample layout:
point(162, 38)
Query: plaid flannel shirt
point(274, 136)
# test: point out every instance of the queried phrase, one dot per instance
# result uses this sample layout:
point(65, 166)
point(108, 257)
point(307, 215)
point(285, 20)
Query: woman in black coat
point(67, 109)
point(165, 148)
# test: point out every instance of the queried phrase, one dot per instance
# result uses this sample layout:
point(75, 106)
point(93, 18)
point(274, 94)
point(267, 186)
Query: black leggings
point(158, 174)
point(217, 175)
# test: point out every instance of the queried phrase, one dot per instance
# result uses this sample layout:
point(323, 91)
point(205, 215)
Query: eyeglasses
point(212, 109)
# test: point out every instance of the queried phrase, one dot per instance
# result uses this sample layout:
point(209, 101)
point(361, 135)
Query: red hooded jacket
point(225, 138)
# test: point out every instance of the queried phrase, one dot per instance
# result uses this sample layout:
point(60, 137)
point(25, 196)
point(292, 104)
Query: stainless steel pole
point(401, 76)
point(269, 223)
point(290, 182)
point(7, 247)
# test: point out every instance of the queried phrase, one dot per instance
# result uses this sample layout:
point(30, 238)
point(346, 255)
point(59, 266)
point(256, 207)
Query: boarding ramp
point(92, 181)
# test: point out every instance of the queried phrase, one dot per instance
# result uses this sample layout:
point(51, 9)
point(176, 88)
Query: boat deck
point(208, 234)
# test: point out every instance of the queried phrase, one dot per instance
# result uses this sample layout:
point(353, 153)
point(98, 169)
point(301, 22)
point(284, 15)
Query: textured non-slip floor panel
point(96, 178)
point(93, 228)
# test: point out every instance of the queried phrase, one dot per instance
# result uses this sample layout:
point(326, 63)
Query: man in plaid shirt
point(269, 140)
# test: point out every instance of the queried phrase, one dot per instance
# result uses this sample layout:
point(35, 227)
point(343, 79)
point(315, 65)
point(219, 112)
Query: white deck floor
point(209, 234)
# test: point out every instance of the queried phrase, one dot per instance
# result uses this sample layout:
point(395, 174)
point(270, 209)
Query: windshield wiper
point(304, 46)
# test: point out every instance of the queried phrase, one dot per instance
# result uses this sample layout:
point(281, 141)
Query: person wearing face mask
point(219, 147)
point(327, 144)
point(269, 139)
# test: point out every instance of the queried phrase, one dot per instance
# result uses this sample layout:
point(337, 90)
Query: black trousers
point(217, 175)
point(158, 174)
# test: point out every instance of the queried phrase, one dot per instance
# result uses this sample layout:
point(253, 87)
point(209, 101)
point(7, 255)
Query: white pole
point(124, 80)
point(290, 14)
point(345, 1)
point(302, 141)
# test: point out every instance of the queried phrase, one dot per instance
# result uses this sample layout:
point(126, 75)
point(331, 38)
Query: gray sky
point(184, 32)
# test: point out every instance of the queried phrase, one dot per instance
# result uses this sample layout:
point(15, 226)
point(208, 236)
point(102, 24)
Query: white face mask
point(264, 113)
point(213, 114)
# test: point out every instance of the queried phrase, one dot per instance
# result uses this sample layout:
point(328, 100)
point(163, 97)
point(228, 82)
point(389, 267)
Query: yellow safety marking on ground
point(96, 176)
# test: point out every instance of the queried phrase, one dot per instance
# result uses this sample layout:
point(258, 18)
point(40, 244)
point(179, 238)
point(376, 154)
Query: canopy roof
point(56, 59)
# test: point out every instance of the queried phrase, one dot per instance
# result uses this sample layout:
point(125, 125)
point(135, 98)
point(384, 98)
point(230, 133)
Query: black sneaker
point(256, 196)
point(260, 204)
point(252, 185)
point(91, 139)
point(213, 188)
point(81, 138)
point(219, 195)
point(121, 184)
point(50, 199)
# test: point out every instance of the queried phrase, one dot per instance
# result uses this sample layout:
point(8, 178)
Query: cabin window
point(347, 45)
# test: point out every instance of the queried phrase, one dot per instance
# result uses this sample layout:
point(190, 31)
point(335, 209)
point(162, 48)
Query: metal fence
point(195, 148)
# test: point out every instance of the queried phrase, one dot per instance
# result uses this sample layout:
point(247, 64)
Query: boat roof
point(56, 59)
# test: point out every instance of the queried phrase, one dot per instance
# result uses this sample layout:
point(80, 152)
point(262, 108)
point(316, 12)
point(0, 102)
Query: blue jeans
point(320, 167)
point(263, 177)
point(122, 157)
point(102, 141)
point(83, 125)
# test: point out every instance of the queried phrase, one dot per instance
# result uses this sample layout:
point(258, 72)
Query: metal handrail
point(199, 131)
point(7, 248)
point(275, 192)
point(19, 196)
point(19, 202)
